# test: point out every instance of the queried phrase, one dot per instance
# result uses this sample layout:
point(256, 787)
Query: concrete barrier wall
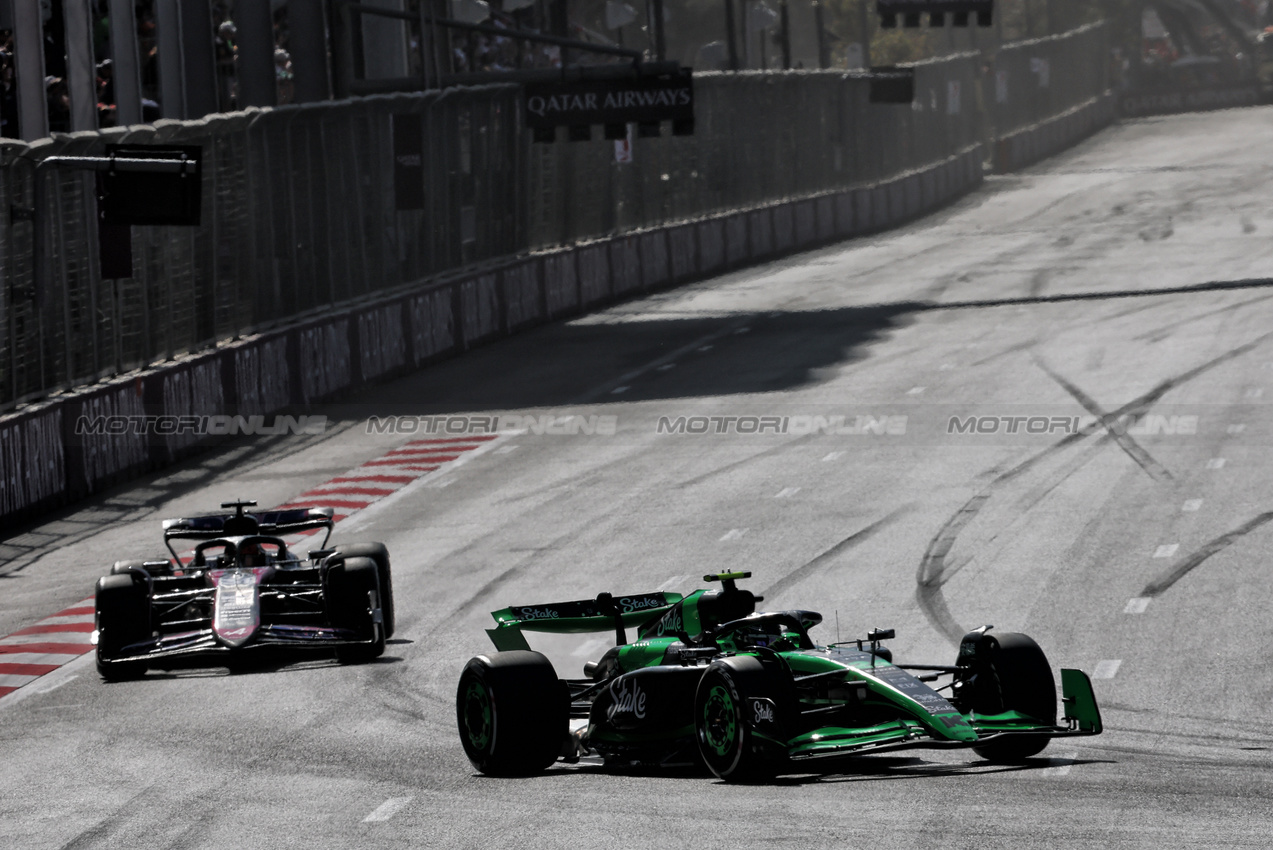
point(78, 444)
point(1040, 141)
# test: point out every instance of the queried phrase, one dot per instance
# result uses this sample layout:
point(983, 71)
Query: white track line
point(1060, 765)
point(1107, 669)
point(387, 809)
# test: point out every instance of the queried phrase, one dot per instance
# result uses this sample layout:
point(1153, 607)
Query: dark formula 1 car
point(709, 681)
point(243, 593)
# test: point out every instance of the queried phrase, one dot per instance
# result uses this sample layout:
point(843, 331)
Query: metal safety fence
point(298, 214)
point(1032, 81)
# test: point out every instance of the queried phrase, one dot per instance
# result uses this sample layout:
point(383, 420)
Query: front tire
point(379, 553)
point(123, 618)
point(513, 713)
point(1012, 674)
point(728, 741)
point(352, 590)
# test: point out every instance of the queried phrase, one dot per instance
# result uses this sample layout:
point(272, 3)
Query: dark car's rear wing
point(240, 524)
point(580, 617)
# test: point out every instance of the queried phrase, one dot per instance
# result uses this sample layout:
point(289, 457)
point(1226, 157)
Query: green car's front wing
point(1082, 717)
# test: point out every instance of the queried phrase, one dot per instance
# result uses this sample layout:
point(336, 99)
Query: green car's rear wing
point(580, 617)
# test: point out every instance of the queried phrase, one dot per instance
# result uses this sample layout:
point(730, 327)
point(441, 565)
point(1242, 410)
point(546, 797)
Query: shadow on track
point(859, 769)
point(575, 363)
point(250, 667)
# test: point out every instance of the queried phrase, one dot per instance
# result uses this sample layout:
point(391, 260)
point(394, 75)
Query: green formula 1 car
point(709, 681)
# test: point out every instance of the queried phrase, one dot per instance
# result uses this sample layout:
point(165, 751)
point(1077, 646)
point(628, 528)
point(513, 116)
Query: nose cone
point(237, 602)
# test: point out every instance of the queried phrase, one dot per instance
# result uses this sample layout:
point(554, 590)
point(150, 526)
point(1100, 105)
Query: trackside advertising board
point(612, 102)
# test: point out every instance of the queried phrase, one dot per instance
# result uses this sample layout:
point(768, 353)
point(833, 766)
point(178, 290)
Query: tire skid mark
point(802, 572)
point(932, 567)
point(1012, 349)
point(580, 482)
point(1105, 295)
point(488, 589)
point(109, 827)
point(931, 574)
point(1160, 333)
point(1134, 450)
point(1034, 496)
point(730, 467)
point(484, 591)
point(1130, 311)
point(1038, 297)
point(1164, 582)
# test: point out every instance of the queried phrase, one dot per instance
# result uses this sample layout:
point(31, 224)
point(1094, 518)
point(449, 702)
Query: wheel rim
point(720, 720)
point(478, 720)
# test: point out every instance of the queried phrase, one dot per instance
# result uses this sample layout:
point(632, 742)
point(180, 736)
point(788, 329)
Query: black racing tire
point(727, 740)
point(513, 713)
point(352, 591)
point(379, 553)
point(121, 567)
point(1014, 675)
point(122, 606)
point(154, 568)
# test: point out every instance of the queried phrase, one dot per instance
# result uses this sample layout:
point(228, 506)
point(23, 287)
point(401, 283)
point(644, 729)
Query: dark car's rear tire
point(725, 721)
point(513, 713)
point(1012, 674)
point(379, 553)
point(150, 568)
point(352, 592)
point(122, 567)
point(123, 618)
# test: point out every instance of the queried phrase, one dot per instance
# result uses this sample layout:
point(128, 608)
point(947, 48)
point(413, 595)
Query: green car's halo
point(708, 681)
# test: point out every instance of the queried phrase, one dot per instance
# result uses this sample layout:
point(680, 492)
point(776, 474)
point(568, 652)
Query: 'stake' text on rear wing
point(583, 616)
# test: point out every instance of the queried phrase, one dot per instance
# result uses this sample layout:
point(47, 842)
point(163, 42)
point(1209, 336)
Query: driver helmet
point(766, 634)
point(761, 636)
point(252, 555)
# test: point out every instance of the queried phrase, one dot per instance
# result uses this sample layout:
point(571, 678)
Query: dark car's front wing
point(204, 643)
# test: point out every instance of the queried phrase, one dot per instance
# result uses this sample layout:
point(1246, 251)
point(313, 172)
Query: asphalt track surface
point(1128, 276)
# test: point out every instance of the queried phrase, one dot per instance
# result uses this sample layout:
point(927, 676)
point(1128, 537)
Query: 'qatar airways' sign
point(638, 100)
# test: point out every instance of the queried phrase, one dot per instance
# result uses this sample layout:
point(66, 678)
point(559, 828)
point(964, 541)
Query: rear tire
point(123, 618)
point(121, 567)
point(352, 591)
point(727, 740)
point(379, 553)
point(154, 568)
point(513, 713)
point(1013, 674)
